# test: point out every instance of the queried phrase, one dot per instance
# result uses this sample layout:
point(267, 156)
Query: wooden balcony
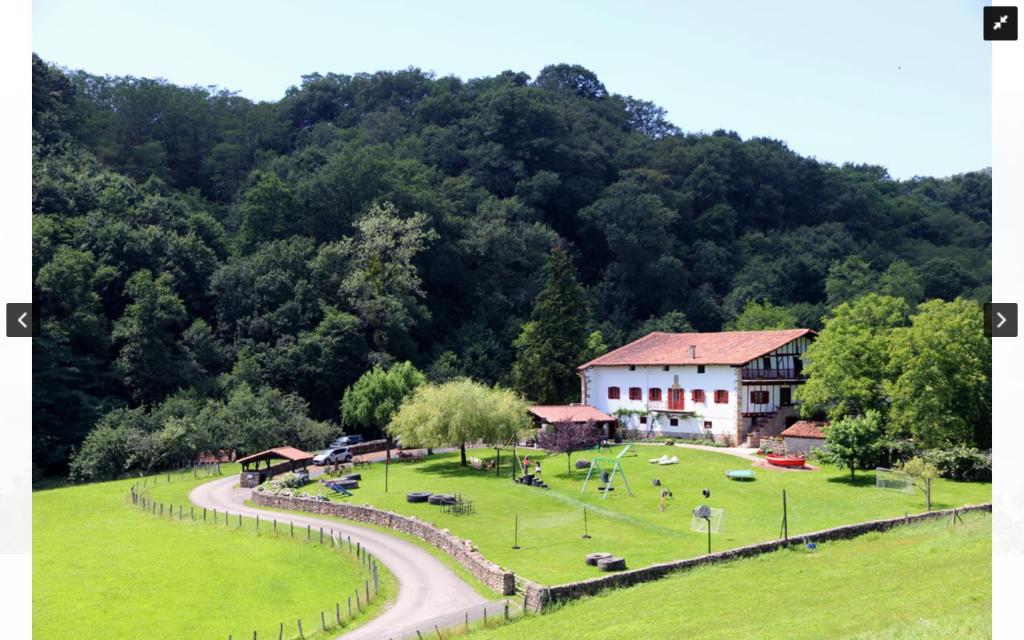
point(750, 373)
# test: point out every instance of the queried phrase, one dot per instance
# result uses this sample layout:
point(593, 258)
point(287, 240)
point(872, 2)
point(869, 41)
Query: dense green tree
point(378, 394)
point(758, 316)
point(847, 364)
point(383, 284)
point(848, 280)
point(854, 442)
point(940, 369)
point(550, 345)
point(150, 358)
point(459, 412)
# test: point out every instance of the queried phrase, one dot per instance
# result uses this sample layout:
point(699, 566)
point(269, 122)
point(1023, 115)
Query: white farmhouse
point(733, 386)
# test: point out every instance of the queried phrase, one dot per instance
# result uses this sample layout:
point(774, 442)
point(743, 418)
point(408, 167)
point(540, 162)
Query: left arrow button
point(22, 320)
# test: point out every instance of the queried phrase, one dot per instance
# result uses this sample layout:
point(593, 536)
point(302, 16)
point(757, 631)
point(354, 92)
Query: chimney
point(693, 352)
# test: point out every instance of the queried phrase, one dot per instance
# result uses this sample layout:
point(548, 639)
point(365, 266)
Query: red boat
point(785, 461)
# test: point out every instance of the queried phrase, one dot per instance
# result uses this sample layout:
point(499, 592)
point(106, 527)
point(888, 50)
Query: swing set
point(606, 469)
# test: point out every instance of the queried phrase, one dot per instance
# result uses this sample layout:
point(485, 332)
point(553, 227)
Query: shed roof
point(806, 429)
point(726, 347)
point(570, 412)
point(278, 453)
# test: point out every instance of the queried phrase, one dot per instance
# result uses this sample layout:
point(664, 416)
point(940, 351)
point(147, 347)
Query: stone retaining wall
point(537, 596)
point(370, 446)
point(460, 550)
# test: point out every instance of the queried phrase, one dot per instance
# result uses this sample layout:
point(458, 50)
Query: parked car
point(346, 441)
point(333, 455)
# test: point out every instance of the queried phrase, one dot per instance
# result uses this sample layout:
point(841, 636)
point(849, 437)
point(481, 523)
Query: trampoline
point(740, 474)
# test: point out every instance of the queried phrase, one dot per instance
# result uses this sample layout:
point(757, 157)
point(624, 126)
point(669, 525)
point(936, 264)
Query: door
point(785, 396)
point(675, 399)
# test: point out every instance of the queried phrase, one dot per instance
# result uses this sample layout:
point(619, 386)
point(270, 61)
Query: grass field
point(930, 580)
point(102, 569)
point(551, 521)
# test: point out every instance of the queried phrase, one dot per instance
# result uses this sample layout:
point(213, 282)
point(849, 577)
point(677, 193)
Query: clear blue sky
point(903, 84)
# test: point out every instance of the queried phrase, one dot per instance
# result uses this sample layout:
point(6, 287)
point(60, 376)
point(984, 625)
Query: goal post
point(894, 480)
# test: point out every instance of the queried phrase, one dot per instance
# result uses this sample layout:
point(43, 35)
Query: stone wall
point(462, 551)
point(370, 446)
point(537, 596)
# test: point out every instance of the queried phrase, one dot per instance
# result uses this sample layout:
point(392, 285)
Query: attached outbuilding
point(260, 467)
point(804, 435)
point(545, 414)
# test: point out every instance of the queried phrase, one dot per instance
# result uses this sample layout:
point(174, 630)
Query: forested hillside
point(202, 259)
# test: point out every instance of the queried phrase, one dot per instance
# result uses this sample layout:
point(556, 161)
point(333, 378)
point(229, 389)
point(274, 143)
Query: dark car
point(345, 441)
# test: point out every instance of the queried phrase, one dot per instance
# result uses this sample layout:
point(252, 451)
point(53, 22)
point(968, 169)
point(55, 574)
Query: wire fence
point(346, 609)
point(458, 623)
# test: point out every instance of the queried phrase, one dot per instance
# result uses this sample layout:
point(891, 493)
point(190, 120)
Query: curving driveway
point(427, 588)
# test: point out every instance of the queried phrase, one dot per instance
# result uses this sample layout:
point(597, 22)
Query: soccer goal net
point(895, 480)
point(699, 524)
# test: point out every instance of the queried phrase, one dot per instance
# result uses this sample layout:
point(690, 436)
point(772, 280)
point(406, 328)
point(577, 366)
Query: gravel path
point(427, 589)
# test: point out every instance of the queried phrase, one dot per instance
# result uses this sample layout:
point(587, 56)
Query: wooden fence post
point(301, 635)
point(350, 607)
point(337, 613)
point(323, 621)
point(280, 631)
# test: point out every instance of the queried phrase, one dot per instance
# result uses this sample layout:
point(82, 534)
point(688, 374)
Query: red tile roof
point(726, 347)
point(277, 453)
point(571, 412)
point(806, 429)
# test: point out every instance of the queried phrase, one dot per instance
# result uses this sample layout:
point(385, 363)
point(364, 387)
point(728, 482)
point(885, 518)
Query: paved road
point(427, 588)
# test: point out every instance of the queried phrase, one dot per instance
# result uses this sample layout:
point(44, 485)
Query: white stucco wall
point(691, 419)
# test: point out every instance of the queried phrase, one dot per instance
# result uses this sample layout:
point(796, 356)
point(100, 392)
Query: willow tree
point(458, 412)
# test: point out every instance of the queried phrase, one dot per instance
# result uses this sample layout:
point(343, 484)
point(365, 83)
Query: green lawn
point(551, 521)
point(929, 580)
point(102, 569)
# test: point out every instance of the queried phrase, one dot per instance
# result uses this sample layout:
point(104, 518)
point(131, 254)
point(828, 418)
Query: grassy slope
point(551, 521)
point(929, 580)
point(104, 569)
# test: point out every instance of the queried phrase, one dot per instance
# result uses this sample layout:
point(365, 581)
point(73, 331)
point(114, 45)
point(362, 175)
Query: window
point(721, 396)
point(613, 393)
point(654, 395)
point(766, 363)
point(632, 367)
point(700, 368)
point(758, 397)
point(673, 422)
point(635, 393)
point(697, 395)
point(785, 396)
point(643, 419)
point(665, 368)
point(707, 425)
point(676, 399)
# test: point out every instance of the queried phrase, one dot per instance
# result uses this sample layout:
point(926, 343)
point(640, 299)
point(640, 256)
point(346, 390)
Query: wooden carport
point(292, 459)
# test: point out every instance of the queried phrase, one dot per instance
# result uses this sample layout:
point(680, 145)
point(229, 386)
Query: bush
point(961, 462)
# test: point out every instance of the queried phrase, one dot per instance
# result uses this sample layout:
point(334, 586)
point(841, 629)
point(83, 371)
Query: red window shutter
point(635, 393)
point(613, 393)
point(721, 396)
point(654, 395)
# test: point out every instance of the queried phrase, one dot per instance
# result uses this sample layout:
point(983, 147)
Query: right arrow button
point(1001, 319)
